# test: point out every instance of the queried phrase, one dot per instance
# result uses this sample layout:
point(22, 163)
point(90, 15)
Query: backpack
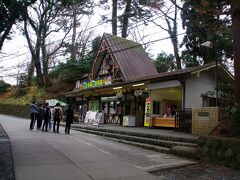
point(57, 113)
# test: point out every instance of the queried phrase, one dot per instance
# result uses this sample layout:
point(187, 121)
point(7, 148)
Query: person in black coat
point(69, 119)
point(47, 117)
point(34, 114)
point(40, 116)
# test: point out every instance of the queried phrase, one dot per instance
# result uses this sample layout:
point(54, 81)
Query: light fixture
point(141, 84)
point(208, 44)
point(117, 88)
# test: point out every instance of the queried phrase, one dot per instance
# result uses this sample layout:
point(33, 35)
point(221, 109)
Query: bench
point(164, 122)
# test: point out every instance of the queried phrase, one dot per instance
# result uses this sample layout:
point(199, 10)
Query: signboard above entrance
point(94, 83)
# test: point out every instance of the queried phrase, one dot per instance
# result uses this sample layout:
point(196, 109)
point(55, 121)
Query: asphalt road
point(48, 155)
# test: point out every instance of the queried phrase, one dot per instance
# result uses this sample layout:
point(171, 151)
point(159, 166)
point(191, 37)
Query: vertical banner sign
point(148, 109)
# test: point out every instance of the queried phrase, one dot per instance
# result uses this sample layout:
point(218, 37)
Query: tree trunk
point(73, 46)
point(175, 39)
point(235, 13)
point(30, 72)
point(44, 57)
point(176, 52)
point(35, 52)
point(6, 33)
point(38, 60)
point(114, 17)
point(125, 18)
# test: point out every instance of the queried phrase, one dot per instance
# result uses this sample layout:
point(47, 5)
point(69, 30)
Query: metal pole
point(216, 82)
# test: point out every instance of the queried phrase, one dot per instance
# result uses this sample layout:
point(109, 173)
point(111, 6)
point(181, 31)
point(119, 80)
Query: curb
point(6, 159)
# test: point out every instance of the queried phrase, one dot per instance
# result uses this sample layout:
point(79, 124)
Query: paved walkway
point(38, 155)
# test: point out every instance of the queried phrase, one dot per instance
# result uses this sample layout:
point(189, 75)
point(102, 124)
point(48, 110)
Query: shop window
point(108, 61)
point(156, 107)
point(209, 101)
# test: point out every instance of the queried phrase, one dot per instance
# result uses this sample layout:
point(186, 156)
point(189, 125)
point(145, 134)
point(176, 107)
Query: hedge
point(15, 110)
point(220, 151)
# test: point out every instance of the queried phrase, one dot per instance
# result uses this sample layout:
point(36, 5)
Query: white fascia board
point(165, 84)
point(213, 66)
point(204, 69)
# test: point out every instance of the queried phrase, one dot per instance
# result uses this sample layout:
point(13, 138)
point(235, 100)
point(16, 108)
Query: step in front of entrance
point(169, 137)
point(164, 144)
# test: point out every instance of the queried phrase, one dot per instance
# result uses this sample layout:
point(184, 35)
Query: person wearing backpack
point(57, 116)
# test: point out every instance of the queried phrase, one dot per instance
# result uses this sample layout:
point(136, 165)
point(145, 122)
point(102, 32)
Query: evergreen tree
point(207, 20)
point(11, 11)
point(164, 62)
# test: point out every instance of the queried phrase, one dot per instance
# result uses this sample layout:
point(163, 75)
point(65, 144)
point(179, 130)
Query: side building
point(123, 83)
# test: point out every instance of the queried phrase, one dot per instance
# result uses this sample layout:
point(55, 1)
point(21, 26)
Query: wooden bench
point(164, 122)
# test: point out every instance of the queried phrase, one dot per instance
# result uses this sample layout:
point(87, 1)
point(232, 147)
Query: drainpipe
point(182, 81)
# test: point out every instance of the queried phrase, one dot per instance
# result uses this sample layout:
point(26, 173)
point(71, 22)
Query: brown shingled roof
point(131, 58)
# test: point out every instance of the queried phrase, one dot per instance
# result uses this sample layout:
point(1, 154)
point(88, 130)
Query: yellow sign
point(148, 108)
point(94, 83)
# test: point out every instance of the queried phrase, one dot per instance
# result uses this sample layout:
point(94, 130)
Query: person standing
point(40, 116)
point(47, 117)
point(57, 116)
point(34, 114)
point(50, 120)
point(69, 119)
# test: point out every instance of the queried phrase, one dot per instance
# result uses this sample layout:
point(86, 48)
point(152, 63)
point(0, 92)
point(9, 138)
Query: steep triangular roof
point(130, 57)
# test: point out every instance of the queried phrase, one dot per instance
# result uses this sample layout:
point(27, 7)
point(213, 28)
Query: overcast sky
point(16, 52)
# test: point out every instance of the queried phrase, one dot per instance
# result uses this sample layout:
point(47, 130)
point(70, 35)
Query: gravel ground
point(200, 172)
point(6, 162)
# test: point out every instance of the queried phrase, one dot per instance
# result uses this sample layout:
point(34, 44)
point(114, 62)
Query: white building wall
point(197, 85)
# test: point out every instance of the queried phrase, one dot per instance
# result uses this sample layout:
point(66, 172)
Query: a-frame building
point(122, 59)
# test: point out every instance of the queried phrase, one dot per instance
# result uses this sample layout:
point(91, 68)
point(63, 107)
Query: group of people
point(42, 112)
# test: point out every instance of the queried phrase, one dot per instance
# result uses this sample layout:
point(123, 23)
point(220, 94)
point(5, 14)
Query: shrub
point(234, 112)
point(4, 86)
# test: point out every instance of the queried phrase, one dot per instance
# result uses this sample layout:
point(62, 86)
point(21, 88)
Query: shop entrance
point(112, 109)
point(165, 102)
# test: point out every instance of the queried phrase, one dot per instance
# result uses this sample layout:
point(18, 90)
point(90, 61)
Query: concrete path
point(40, 155)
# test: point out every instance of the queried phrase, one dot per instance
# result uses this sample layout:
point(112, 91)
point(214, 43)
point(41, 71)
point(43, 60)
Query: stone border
point(6, 160)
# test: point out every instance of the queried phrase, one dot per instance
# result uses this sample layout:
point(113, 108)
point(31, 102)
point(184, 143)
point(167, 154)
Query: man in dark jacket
point(69, 119)
point(34, 113)
point(47, 117)
point(40, 116)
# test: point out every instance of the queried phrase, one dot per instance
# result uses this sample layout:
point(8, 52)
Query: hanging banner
point(148, 109)
point(94, 83)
